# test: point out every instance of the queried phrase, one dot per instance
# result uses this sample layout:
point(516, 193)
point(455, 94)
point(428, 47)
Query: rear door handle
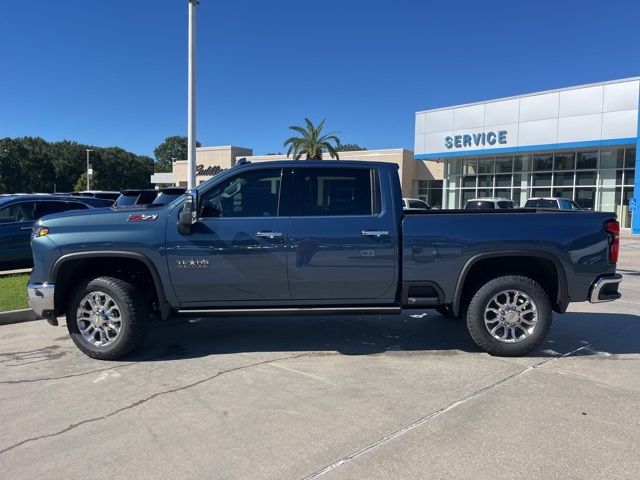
point(26, 228)
point(375, 233)
point(270, 235)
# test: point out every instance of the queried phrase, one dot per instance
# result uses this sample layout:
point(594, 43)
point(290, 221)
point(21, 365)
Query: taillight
point(613, 227)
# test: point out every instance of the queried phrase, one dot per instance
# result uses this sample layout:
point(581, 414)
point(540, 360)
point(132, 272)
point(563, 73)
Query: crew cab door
point(342, 237)
point(235, 253)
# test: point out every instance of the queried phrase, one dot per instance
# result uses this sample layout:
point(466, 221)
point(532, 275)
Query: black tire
point(445, 311)
point(133, 314)
point(476, 309)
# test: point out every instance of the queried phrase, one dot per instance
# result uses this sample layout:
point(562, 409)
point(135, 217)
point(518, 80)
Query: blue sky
point(114, 72)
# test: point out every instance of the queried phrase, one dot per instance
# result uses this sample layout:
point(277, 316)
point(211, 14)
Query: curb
point(8, 273)
point(17, 316)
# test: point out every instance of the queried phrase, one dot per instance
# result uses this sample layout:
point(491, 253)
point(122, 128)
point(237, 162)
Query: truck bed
point(439, 245)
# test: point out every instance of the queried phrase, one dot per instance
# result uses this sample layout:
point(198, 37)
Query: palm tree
point(312, 143)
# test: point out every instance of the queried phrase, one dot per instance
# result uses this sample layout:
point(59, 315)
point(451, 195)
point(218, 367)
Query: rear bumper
point(40, 297)
point(605, 288)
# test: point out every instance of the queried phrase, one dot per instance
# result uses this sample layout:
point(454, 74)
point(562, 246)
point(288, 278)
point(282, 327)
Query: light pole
point(191, 100)
point(88, 168)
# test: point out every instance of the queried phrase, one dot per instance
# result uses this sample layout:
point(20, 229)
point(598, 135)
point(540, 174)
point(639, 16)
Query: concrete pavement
point(334, 397)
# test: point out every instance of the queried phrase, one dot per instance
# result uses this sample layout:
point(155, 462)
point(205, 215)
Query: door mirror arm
point(189, 214)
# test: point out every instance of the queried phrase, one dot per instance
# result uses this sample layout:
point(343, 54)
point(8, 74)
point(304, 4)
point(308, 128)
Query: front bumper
point(40, 297)
point(605, 288)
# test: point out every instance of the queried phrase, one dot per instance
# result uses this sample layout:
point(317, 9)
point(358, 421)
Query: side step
point(389, 310)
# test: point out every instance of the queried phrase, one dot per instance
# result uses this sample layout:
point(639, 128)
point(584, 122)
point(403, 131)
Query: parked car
point(168, 195)
point(316, 237)
point(107, 195)
point(17, 216)
point(131, 197)
point(415, 204)
point(490, 204)
point(553, 203)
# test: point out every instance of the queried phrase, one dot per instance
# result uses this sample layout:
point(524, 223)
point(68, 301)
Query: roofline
point(223, 147)
point(532, 94)
point(313, 163)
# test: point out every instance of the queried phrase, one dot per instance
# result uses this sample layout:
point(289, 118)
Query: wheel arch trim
point(561, 276)
point(155, 276)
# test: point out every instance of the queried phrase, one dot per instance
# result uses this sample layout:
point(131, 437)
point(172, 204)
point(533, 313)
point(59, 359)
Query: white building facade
point(579, 143)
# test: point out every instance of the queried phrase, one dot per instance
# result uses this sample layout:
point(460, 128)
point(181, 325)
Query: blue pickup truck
point(316, 237)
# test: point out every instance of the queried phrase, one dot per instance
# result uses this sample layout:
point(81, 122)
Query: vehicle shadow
point(419, 333)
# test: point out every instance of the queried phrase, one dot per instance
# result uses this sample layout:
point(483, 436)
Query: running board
point(394, 310)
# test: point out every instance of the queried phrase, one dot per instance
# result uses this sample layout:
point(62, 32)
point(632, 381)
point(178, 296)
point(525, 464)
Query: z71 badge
point(136, 217)
point(192, 263)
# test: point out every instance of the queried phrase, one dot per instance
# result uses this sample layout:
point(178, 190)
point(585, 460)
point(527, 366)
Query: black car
point(163, 196)
point(18, 213)
point(104, 194)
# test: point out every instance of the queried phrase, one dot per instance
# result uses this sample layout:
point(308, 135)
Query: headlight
point(40, 232)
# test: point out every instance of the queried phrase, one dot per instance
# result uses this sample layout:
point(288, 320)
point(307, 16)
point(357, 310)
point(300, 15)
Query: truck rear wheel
point(509, 316)
point(107, 318)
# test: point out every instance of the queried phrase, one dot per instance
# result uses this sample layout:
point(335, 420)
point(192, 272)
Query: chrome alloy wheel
point(99, 319)
point(511, 316)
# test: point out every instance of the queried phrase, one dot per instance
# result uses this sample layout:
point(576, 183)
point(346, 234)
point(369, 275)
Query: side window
point(18, 212)
point(336, 191)
point(417, 204)
point(49, 208)
point(251, 194)
point(504, 204)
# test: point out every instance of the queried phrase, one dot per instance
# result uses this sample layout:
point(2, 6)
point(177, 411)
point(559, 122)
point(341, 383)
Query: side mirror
point(189, 214)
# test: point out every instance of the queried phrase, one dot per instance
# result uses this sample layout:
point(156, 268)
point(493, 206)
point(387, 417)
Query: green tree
point(312, 142)
point(349, 147)
point(25, 165)
point(172, 148)
point(116, 169)
point(69, 162)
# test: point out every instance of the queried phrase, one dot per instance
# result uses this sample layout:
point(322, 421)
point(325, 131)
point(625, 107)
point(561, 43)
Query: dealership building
point(579, 143)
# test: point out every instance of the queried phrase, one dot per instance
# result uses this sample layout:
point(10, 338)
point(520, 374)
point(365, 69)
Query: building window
point(429, 191)
point(542, 162)
point(600, 179)
point(587, 160)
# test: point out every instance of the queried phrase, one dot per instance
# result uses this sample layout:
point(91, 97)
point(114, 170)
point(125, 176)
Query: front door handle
point(27, 228)
point(375, 233)
point(270, 235)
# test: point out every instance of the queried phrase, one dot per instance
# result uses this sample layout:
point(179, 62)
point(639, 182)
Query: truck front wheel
point(107, 318)
point(509, 316)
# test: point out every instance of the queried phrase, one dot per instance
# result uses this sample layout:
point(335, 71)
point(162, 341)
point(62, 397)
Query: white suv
point(553, 203)
point(415, 204)
point(490, 204)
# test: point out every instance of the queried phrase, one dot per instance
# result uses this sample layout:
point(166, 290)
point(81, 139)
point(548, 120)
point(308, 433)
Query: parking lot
point(331, 397)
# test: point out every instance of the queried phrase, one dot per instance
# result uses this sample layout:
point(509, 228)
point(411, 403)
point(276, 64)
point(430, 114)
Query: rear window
point(336, 192)
point(125, 200)
point(541, 203)
point(147, 197)
point(505, 204)
point(480, 205)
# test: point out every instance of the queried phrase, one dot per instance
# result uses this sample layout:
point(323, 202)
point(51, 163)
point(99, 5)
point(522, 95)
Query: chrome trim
point(296, 310)
point(40, 297)
point(599, 284)
point(270, 235)
point(375, 233)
